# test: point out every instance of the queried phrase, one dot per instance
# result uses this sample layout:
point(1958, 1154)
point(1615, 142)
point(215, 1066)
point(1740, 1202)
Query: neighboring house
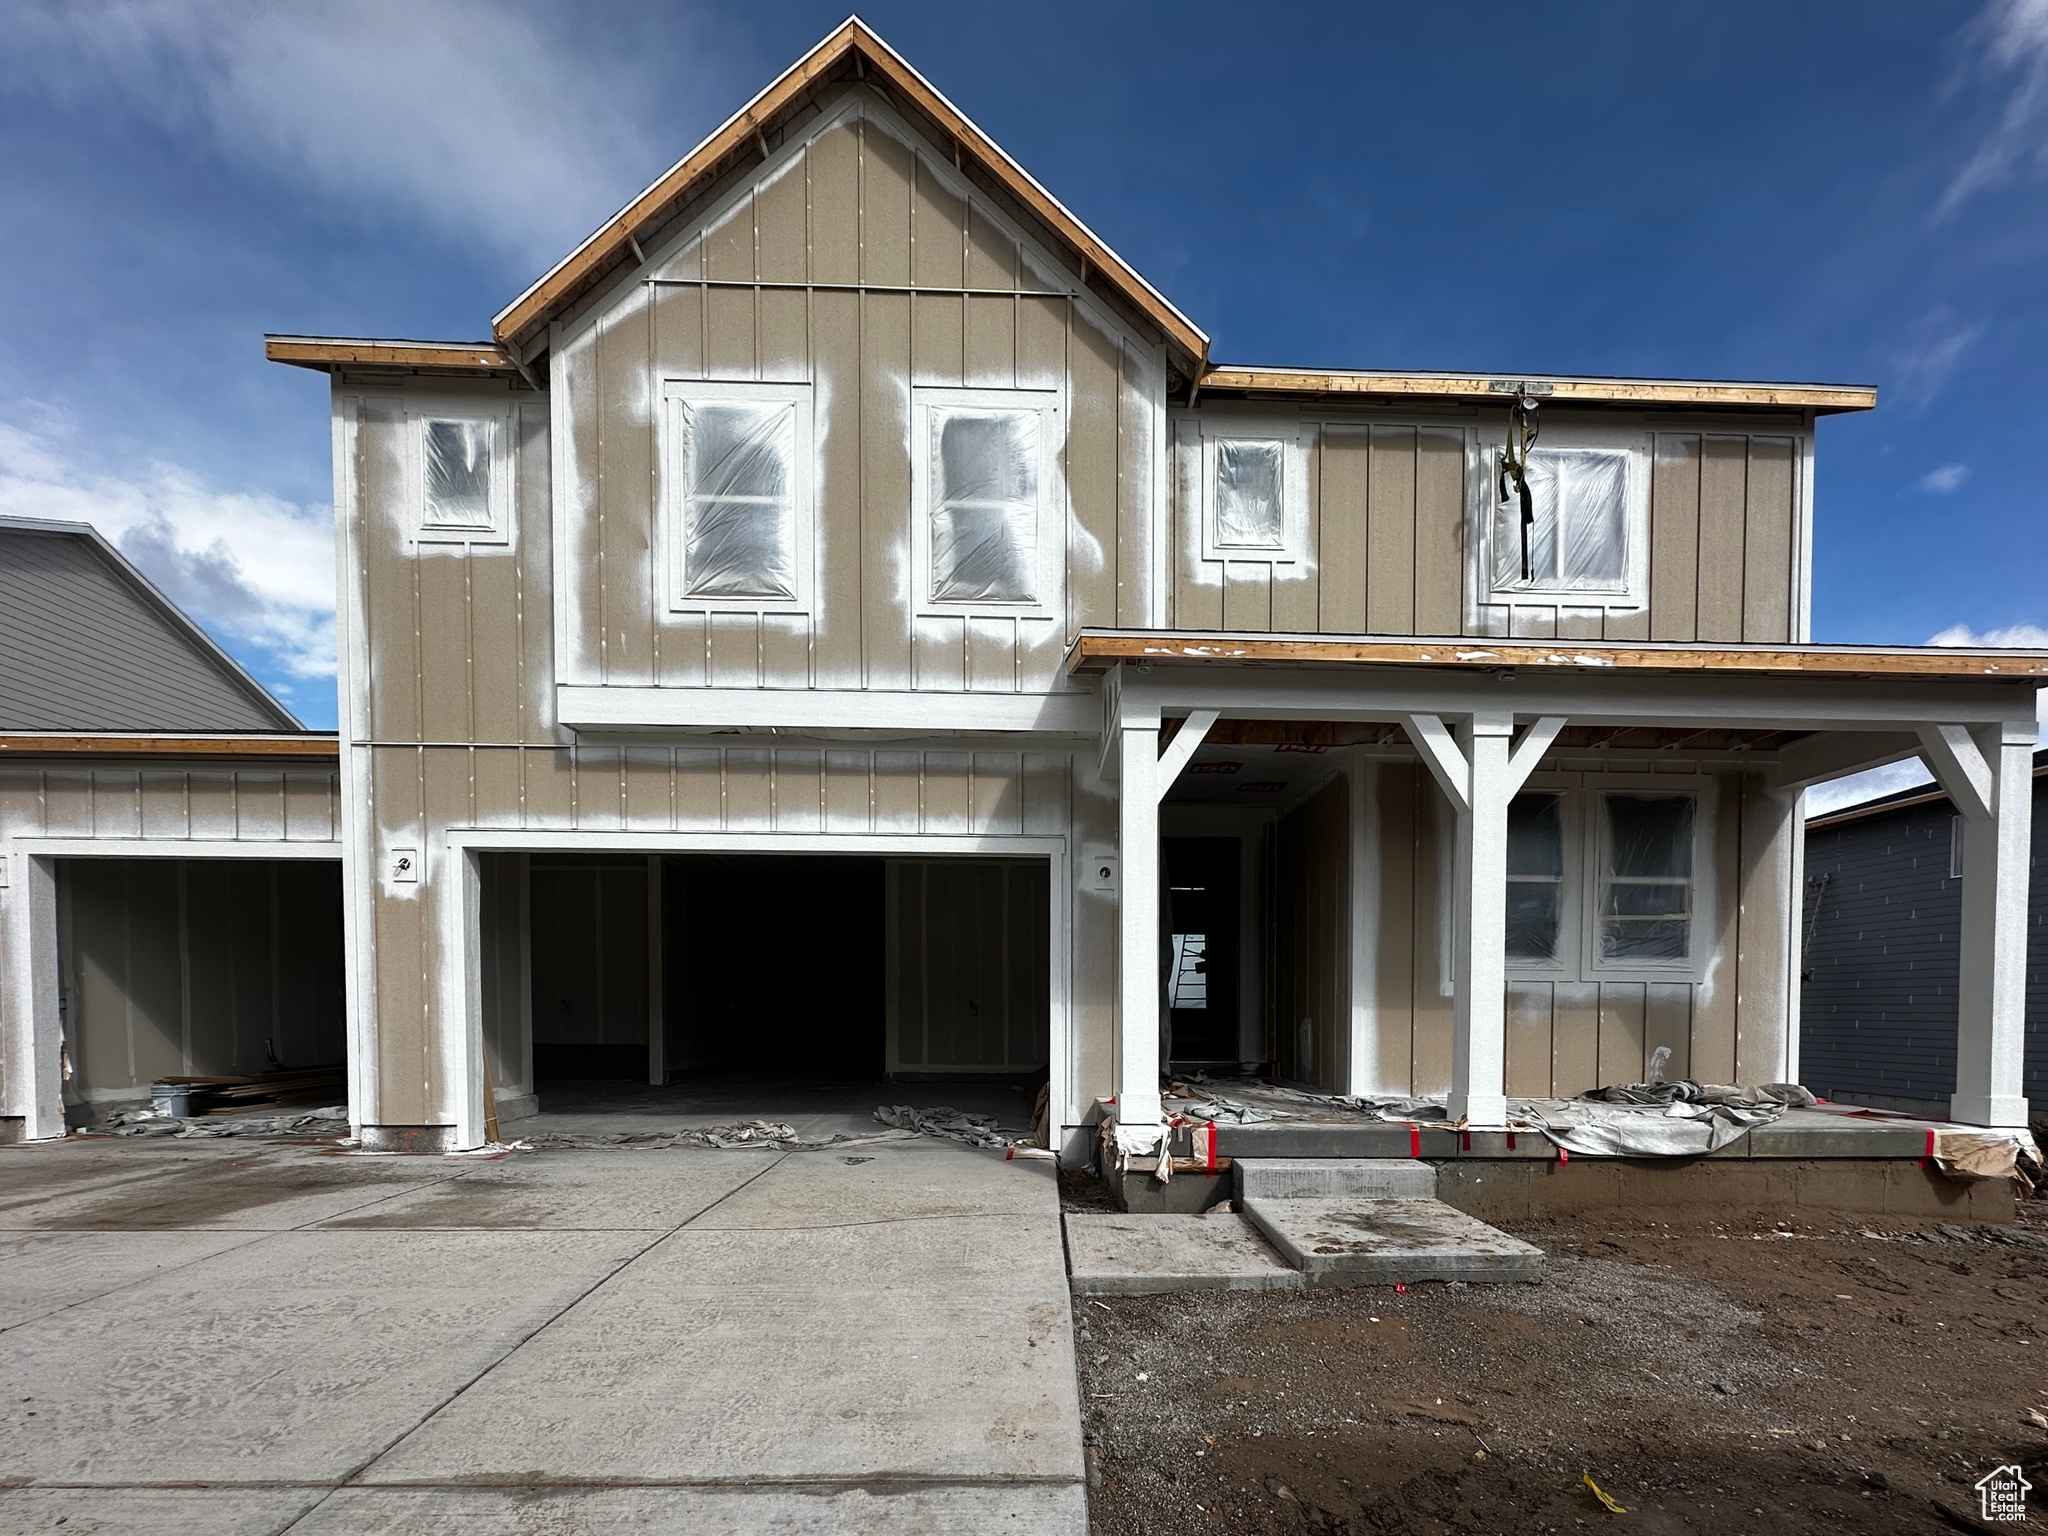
point(1884, 909)
point(145, 783)
point(844, 618)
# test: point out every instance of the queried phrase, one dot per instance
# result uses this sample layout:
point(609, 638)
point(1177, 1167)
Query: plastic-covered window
point(1248, 509)
point(984, 513)
point(458, 478)
point(739, 537)
point(1535, 878)
point(1646, 887)
point(1578, 541)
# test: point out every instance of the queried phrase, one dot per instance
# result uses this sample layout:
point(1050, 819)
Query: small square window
point(739, 517)
point(1249, 514)
point(984, 505)
point(1577, 540)
point(458, 474)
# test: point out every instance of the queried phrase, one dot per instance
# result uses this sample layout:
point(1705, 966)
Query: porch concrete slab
point(158, 1511)
point(1127, 1255)
point(295, 1358)
point(1356, 1137)
point(901, 1318)
point(44, 1272)
point(1837, 1138)
point(41, 1171)
point(612, 1190)
point(264, 1189)
point(1370, 1178)
point(1378, 1242)
point(1058, 1509)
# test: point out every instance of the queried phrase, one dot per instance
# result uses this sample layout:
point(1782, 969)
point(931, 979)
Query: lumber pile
point(233, 1095)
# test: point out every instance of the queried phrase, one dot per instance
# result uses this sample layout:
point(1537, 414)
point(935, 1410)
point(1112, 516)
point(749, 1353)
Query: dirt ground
point(1751, 1375)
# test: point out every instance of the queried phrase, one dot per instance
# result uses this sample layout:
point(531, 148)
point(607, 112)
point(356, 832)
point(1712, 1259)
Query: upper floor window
point(1601, 884)
point(459, 473)
point(736, 515)
point(1579, 539)
point(1254, 504)
point(985, 535)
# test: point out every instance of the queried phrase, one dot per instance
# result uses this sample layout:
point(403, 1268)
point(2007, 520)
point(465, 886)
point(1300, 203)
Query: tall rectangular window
point(739, 508)
point(1579, 538)
point(1535, 878)
point(1248, 506)
point(1646, 878)
point(984, 504)
point(458, 473)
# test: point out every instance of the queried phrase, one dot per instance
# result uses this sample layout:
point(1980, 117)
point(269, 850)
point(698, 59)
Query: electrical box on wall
point(1098, 872)
point(404, 866)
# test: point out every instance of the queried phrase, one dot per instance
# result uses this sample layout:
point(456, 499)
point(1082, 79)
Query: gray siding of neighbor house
point(84, 647)
point(1879, 1009)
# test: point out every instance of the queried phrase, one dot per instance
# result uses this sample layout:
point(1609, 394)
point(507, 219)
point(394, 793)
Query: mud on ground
point(1743, 1376)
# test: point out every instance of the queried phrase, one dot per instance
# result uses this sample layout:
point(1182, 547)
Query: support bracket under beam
point(1958, 765)
point(1174, 756)
point(1441, 755)
point(1536, 739)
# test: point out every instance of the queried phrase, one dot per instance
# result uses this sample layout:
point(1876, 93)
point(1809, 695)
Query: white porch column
point(1144, 777)
point(34, 1031)
point(1988, 773)
point(1479, 773)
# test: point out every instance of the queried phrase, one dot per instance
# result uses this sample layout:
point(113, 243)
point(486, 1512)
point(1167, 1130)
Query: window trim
point(1293, 436)
point(671, 499)
point(1634, 593)
point(1048, 533)
point(1584, 865)
point(501, 419)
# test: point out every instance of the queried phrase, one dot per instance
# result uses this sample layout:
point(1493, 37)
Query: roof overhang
point(1097, 650)
point(335, 354)
point(319, 746)
point(1323, 384)
point(851, 51)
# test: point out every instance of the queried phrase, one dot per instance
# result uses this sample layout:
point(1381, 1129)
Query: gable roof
point(851, 51)
point(89, 644)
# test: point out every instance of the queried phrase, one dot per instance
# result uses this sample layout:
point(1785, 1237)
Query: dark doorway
point(1202, 878)
point(590, 975)
point(776, 962)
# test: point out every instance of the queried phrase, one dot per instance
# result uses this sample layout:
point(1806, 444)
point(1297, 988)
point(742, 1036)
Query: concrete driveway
point(237, 1338)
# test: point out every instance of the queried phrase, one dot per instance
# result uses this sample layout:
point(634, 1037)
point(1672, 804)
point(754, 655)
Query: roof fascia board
point(329, 354)
point(1095, 650)
point(323, 746)
point(541, 301)
point(1823, 399)
point(180, 620)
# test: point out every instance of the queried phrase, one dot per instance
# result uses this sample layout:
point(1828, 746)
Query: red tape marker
point(1511, 1141)
point(1212, 1146)
point(1465, 1141)
point(1415, 1140)
point(1927, 1161)
point(1563, 1156)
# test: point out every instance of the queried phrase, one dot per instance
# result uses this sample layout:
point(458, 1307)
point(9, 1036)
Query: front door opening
point(1204, 919)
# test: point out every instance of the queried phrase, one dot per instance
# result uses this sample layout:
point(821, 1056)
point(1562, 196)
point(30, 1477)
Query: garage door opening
point(216, 967)
point(652, 980)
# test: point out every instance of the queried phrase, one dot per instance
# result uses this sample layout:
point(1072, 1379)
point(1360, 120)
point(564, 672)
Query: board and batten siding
point(1564, 1037)
point(1387, 534)
point(859, 262)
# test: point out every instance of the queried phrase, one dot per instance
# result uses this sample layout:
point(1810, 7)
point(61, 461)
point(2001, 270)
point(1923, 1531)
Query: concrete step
point(1140, 1255)
point(1361, 1178)
point(1347, 1241)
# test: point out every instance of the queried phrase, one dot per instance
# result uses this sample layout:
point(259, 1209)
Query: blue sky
point(1847, 192)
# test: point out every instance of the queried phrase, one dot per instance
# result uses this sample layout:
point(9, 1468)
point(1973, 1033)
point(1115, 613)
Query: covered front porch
point(1531, 831)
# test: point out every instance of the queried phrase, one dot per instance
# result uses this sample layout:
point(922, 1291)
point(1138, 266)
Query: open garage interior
point(204, 967)
point(639, 981)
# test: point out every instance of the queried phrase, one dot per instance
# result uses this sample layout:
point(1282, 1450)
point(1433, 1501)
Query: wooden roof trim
point(328, 353)
point(1097, 650)
point(1821, 398)
point(156, 744)
point(745, 127)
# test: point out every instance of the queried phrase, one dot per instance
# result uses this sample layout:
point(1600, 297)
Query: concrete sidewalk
point(233, 1338)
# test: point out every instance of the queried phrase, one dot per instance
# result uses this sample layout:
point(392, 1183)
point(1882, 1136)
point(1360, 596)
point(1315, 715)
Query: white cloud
point(469, 115)
point(254, 569)
point(1837, 794)
point(1933, 352)
point(1942, 481)
point(2009, 37)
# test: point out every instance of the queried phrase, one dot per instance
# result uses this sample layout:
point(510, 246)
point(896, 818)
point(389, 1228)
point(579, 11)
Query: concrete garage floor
point(817, 1109)
point(235, 1338)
